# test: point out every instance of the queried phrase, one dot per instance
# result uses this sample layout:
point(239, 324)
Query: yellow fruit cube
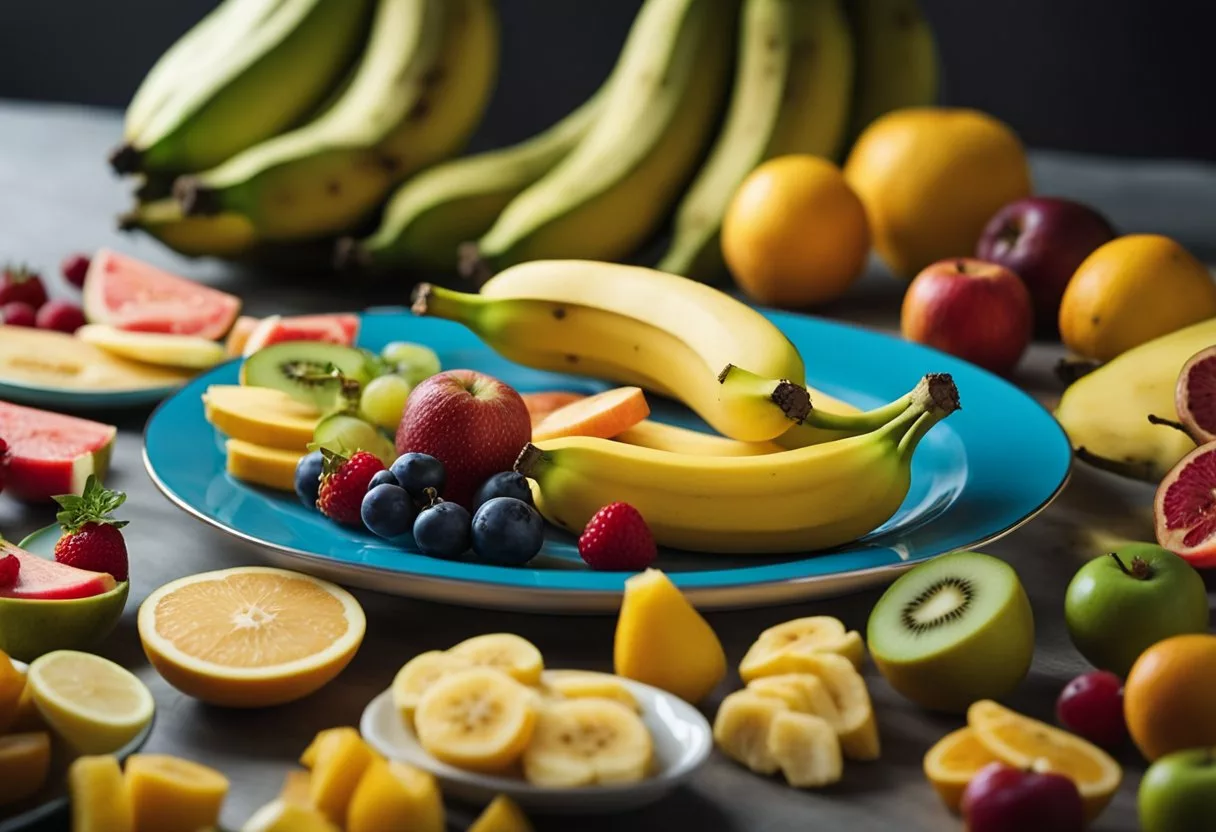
point(280, 816)
point(25, 763)
point(172, 795)
point(393, 795)
point(297, 788)
point(12, 683)
point(502, 815)
point(100, 802)
point(309, 758)
point(341, 760)
point(662, 640)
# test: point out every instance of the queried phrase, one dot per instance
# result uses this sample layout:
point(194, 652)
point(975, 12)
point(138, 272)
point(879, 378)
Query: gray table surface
point(57, 196)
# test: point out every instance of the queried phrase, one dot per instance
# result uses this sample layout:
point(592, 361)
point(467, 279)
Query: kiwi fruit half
point(312, 372)
point(952, 631)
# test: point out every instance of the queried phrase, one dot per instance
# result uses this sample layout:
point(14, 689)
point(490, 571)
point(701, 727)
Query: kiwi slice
point(312, 372)
point(345, 434)
point(952, 631)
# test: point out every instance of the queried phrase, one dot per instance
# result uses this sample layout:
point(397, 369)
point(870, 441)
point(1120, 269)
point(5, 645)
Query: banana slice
point(742, 726)
point(420, 673)
point(479, 719)
point(806, 748)
point(505, 651)
point(854, 720)
point(801, 692)
point(582, 742)
point(582, 684)
point(775, 651)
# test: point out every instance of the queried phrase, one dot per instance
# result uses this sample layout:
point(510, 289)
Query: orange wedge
point(603, 415)
point(250, 637)
point(1026, 743)
point(952, 763)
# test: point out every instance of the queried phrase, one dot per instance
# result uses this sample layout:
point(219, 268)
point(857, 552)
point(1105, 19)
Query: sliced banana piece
point(505, 651)
point(420, 673)
point(801, 692)
point(742, 726)
point(806, 748)
point(583, 742)
point(771, 654)
point(582, 684)
point(479, 719)
point(854, 720)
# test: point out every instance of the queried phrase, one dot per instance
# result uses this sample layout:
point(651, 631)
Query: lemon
point(96, 706)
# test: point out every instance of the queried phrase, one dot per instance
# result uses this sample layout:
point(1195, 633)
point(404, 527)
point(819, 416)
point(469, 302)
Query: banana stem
point(528, 460)
point(437, 302)
point(935, 398)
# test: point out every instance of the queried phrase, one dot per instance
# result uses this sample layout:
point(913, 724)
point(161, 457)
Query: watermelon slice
point(47, 580)
point(129, 294)
point(339, 328)
point(50, 453)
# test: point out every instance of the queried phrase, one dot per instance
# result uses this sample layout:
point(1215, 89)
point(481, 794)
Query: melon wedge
point(259, 465)
point(47, 580)
point(260, 415)
point(130, 294)
point(182, 351)
point(339, 328)
point(51, 454)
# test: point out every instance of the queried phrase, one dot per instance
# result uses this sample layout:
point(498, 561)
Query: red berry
point(17, 283)
point(1091, 706)
point(617, 539)
point(344, 484)
point(61, 316)
point(10, 569)
point(75, 267)
point(18, 313)
point(92, 538)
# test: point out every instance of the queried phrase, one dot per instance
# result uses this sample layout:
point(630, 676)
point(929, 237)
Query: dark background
point(1128, 77)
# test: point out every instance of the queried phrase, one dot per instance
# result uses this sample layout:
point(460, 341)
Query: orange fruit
point(931, 178)
point(1168, 698)
point(1026, 743)
point(251, 636)
point(1132, 290)
point(795, 233)
point(952, 763)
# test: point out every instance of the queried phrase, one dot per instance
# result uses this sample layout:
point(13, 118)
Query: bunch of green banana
point(615, 188)
point(792, 94)
point(432, 214)
point(806, 499)
point(248, 71)
point(897, 61)
point(418, 92)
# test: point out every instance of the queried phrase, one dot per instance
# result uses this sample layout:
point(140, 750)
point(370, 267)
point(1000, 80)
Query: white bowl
point(682, 743)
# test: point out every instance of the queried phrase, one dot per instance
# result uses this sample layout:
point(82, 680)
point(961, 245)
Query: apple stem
point(1140, 569)
point(961, 266)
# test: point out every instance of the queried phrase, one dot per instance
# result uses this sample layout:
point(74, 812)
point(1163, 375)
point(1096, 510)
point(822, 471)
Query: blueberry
point(442, 531)
point(507, 532)
point(387, 511)
point(418, 472)
point(384, 477)
point(506, 484)
point(308, 478)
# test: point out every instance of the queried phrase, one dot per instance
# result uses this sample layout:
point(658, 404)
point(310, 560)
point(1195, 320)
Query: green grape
point(346, 434)
point(413, 361)
point(383, 400)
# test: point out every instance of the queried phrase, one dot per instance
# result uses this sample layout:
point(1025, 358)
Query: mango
point(260, 416)
point(341, 760)
point(258, 465)
point(25, 764)
point(172, 795)
point(99, 798)
point(502, 815)
point(661, 640)
point(396, 796)
point(309, 758)
point(280, 816)
point(297, 788)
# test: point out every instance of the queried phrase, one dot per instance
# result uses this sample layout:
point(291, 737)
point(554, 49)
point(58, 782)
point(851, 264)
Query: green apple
point(1178, 792)
point(1120, 604)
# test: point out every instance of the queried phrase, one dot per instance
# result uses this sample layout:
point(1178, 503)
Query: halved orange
point(952, 763)
point(251, 636)
point(1026, 743)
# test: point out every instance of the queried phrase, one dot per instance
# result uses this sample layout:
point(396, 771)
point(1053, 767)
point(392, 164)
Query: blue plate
point(62, 398)
point(976, 476)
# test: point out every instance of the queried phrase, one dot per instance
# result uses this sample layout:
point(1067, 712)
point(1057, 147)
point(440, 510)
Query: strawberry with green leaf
point(92, 538)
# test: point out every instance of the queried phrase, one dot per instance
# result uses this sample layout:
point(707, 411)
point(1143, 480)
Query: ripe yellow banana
point(415, 97)
point(796, 501)
point(616, 187)
point(897, 63)
point(678, 440)
point(254, 70)
point(792, 94)
point(432, 214)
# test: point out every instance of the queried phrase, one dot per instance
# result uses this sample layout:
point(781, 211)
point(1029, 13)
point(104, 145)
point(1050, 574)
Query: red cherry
point(17, 313)
point(1091, 706)
point(75, 267)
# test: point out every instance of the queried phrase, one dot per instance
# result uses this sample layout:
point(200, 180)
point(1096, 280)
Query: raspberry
point(617, 539)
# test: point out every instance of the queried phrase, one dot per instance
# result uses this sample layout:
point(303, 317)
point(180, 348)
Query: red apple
point(473, 423)
point(1042, 239)
point(978, 311)
point(1004, 799)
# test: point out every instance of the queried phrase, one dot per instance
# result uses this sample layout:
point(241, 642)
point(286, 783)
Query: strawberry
point(617, 539)
point(61, 316)
point(75, 267)
point(18, 283)
point(18, 313)
point(91, 538)
point(344, 483)
point(10, 568)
